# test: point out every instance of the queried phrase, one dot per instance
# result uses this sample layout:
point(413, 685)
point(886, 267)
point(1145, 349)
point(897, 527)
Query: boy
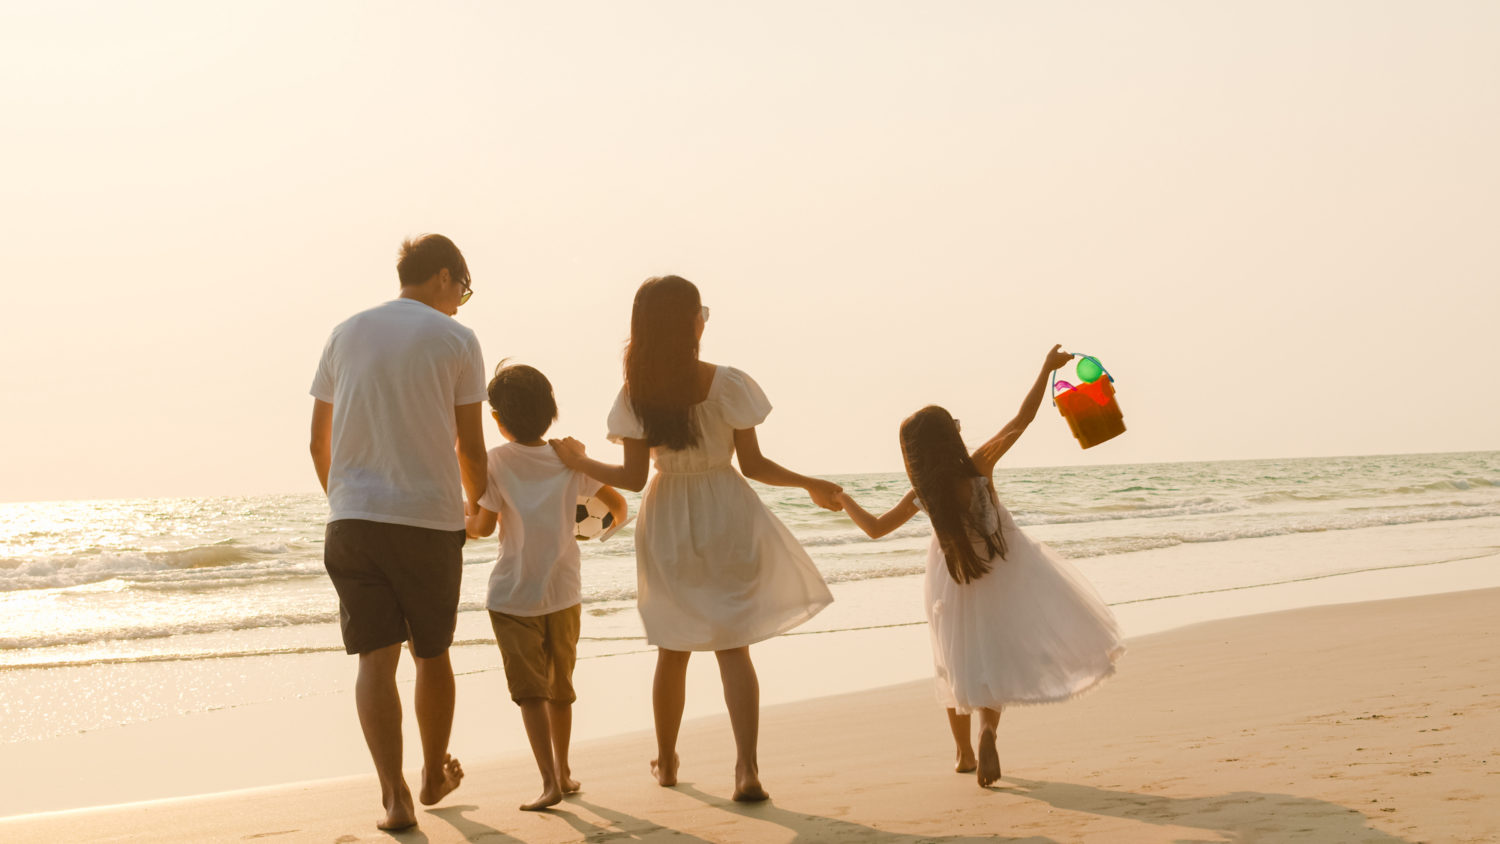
point(535, 591)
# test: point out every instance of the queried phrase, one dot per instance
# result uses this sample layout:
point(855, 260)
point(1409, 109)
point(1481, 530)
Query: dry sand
point(1373, 722)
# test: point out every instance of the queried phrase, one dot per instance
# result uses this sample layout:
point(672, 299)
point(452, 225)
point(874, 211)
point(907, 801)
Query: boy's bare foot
point(747, 788)
point(989, 759)
point(966, 762)
point(440, 783)
point(399, 812)
point(666, 775)
point(550, 797)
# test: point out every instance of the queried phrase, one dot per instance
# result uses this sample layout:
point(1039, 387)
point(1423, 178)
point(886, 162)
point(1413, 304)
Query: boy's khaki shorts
point(539, 653)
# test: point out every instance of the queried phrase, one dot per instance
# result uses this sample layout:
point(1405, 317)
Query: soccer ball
point(592, 519)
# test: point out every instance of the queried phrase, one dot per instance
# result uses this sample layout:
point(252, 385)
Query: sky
point(1274, 222)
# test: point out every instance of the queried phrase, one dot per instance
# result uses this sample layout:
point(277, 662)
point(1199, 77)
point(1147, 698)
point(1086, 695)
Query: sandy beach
point(1370, 722)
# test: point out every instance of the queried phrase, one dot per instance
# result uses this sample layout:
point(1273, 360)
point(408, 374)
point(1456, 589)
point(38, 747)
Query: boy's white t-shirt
point(536, 497)
point(394, 374)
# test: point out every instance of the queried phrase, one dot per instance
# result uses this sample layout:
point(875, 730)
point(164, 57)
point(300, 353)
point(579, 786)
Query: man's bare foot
point(747, 788)
point(966, 762)
point(551, 796)
point(568, 784)
point(439, 784)
point(666, 775)
point(399, 812)
point(989, 759)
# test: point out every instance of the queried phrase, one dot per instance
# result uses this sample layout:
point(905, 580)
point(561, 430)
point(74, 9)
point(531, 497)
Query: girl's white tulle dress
point(714, 568)
point(1031, 630)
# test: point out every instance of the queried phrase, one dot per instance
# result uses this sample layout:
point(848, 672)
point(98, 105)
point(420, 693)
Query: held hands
point(826, 494)
point(569, 451)
point(1057, 358)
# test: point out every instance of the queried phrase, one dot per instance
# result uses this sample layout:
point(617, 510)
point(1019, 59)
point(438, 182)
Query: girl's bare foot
point(966, 762)
point(551, 796)
point(666, 775)
point(440, 783)
point(989, 759)
point(399, 812)
point(747, 787)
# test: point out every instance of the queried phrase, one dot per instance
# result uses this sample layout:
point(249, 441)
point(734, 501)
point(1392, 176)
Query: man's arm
point(480, 523)
point(471, 457)
point(322, 440)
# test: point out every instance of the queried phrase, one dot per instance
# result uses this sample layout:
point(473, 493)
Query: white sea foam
point(106, 577)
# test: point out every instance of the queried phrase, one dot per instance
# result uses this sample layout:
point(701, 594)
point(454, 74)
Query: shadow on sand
point(1241, 815)
point(810, 828)
point(619, 826)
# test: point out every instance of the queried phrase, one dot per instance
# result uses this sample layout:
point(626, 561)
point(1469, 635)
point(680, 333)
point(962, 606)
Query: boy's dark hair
point(423, 256)
point(522, 398)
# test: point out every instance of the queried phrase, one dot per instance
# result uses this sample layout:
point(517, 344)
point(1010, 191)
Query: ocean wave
point(1106, 546)
point(1446, 485)
point(254, 621)
point(1203, 506)
point(141, 566)
point(850, 537)
point(183, 656)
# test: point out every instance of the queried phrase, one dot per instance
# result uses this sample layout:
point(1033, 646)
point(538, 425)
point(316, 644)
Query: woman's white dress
point(1031, 630)
point(714, 568)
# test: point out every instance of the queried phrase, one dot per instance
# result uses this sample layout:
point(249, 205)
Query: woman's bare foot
point(989, 759)
point(568, 784)
point(551, 796)
point(747, 788)
point(966, 762)
point(399, 812)
point(439, 784)
point(666, 775)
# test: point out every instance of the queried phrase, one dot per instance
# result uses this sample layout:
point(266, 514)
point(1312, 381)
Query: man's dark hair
point(522, 398)
point(423, 256)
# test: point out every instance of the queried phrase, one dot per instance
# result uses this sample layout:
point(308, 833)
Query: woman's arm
point(614, 501)
point(877, 527)
point(630, 475)
point(987, 455)
point(758, 467)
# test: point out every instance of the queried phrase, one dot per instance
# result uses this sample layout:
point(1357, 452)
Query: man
point(398, 385)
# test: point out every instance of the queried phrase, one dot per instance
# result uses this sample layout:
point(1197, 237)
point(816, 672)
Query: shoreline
point(324, 741)
point(1375, 721)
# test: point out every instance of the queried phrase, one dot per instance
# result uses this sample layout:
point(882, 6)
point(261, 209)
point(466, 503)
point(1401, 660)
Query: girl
point(715, 570)
point(1011, 622)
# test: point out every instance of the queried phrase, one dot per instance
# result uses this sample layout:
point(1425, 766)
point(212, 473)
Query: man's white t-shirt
point(393, 374)
point(536, 497)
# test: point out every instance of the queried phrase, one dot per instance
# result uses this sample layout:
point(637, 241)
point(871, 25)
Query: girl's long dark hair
point(661, 361)
point(938, 465)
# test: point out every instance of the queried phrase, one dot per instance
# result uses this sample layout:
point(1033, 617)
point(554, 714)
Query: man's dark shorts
point(394, 582)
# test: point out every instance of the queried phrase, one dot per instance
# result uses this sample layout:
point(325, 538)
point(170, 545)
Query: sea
point(230, 590)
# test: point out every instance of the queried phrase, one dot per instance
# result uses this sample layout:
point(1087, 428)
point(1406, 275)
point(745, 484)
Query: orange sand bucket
point(1090, 407)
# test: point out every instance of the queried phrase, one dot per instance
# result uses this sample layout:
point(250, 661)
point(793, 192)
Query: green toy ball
point(1089, 370)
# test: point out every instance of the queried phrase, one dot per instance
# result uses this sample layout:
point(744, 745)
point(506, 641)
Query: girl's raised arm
point(630, 475)
point(987, 455)
point(878, 526)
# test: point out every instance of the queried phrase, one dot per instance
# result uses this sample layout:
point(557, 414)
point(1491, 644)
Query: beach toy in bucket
point(1088, 401)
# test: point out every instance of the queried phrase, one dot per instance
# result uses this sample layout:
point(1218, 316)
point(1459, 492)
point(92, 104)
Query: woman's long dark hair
point(938, 465)
point(661, 361)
